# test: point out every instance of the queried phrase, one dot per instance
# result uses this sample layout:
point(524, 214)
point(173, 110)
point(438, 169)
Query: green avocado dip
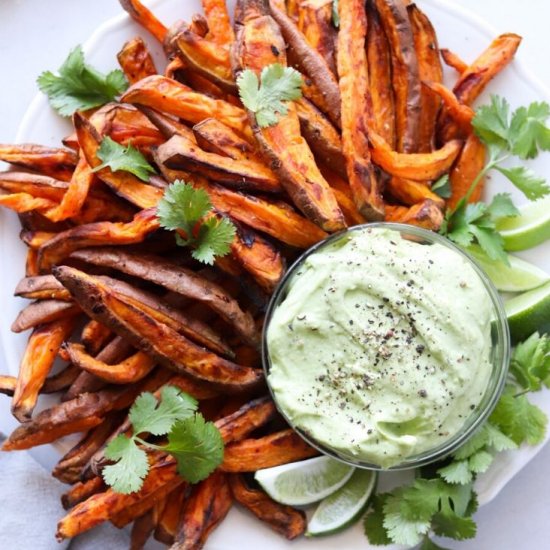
point(380, 349)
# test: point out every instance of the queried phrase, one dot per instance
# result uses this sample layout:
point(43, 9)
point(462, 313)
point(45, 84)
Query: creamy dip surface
point(380, 349)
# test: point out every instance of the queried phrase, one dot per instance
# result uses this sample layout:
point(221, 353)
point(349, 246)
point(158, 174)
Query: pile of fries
point(129, 311)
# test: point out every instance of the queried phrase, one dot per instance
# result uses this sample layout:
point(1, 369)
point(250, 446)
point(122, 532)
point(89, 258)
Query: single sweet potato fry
point(412, 192)
point(94, 335)
point(41, 288)
point(43, 311)
point(214, 136)
point(288, 521)
point(452, 59)
point(136, 60)
point(81, 491)
point(351, 60)
point(207, 505)
point(460, 113)
point(145, 18)
point(23, 202)
point(155, 338)
point(259, 43)
point(414, 166)
point(429, 69)
point(49, 161)
point(37, 361)
point(380, 76)
point(425, 214)
point(177, 279)
point(281, 447)
point(405, 75)
point(469, 164)
point(168, 521)
point(44, 187)
point(142, 529)
point(218, 21)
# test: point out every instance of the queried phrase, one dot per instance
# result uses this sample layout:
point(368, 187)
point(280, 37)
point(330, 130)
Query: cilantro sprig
point(266, 98)
point(79, 86)
point(335, 14)
point(196, 444)
point(117, 157)
point(186, 209)
point(442, 500)
point(521, 134)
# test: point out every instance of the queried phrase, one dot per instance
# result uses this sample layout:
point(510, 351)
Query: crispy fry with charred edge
point(130, 370)
point(207, 58)
point(219, 23)
point(476, 77)
point(97, 234)
point(40, 288)
point(80, 414)
point(136, 60)
point(287, 521)
point(94, 335)
point(469, 164)
point(102, 506)
point(405, 75)
point(37, 361)
point(69, 468)
point(81, 491)
point(155, 338)
point(207, 505)
point(76, 194)
point(380, 77)
point(247, 175)
point(343, 195)
point(43, 311)
point(424, 214)
point(177, 279)
point(7, 384)
point(142, 529)
point(321, 136)
point(168, 96)
point(412, 192)
point(214, 136)
point(123, 183)
point(38, 186)
point(23, 202)
point(168, 125)
point(53, 384)
point(168, 521)
point(315, 23)
point(281, 447)
point(312, 62)
point(49, 161)
point(258, 38)
point(460, 113)
point(274, 218)
point(451, 59)
point(351, 60)
point(429, 69)
point(414, 166)
point(145, 18)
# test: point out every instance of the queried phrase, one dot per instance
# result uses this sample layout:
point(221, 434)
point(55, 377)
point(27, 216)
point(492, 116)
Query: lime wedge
point(345, 506)
point(301, 483)
point(529, 229)
point(519, 276)
point(529, 312)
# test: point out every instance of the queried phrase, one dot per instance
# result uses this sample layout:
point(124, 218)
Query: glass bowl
point(499, 355)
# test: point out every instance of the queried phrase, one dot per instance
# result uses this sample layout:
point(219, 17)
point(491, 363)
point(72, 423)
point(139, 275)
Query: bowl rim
point(498, 371)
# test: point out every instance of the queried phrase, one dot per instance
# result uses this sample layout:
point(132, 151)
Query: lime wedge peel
point(529, 229)
point(344, 507)
point(519, 276)
point(529, 312)
point(305, 482)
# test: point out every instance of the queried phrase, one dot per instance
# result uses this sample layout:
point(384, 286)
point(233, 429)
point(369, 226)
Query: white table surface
point(36, 35)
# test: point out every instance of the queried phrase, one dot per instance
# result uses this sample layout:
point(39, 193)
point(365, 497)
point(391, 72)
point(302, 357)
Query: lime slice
point(345, 506)
point(529, 312)
point(519, 276)
point(301, 483)
point(529, 229)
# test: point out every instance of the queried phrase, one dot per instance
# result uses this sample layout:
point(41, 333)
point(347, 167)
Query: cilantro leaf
point(129, 159)
point(373, 523)
point(149, 415)
point(530, 362)
point(197, 446)
point(442, 187)
point(529, 131)
point(265, 97)
point(491, 122)
point(518, 419)
point(448, 524)
point(497, 440)
point(127, 474)
point(531, 185)
point(420, 501)
point(79, 86)
point(184, 208)
point(429, 544)
point(456, 472)
point(401, 530)
point(472, 445)
point(502, 207)
point(480, 462)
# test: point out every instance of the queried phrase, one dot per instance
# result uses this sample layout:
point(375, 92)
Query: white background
point(36, 35)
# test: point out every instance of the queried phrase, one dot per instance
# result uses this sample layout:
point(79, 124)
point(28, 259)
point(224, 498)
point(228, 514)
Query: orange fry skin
point(136, 60)
point(145, 18)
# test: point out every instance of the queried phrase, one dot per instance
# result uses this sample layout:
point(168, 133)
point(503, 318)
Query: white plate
point(457, 29)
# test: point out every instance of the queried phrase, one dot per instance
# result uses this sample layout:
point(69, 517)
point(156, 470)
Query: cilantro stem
point(147, 444)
